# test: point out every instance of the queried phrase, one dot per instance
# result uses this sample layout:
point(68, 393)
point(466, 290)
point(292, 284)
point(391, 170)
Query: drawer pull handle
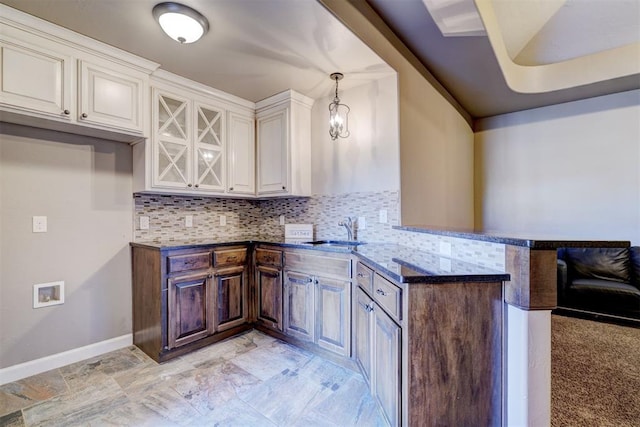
point(83, 116)
point(362, 275)
point(368, 308)
point(381, 292)
point(232, 258)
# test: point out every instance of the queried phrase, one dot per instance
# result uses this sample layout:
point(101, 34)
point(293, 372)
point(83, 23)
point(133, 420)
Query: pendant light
point(338, 114)
point(180, 22)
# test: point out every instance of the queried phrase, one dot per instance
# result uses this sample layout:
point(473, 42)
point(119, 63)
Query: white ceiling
point(254, 48)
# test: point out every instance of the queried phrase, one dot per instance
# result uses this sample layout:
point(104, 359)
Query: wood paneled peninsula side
point(426, 331)
point(529, 296)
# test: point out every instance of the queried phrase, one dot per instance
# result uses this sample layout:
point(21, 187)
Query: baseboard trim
point(37, 366)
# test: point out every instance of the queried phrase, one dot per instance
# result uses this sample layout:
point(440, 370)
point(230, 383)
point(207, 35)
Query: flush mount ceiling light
point(338, 114)
point(180, 22)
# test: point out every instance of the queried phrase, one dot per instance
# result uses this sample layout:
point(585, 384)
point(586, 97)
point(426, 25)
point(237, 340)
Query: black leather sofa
point(600, 280)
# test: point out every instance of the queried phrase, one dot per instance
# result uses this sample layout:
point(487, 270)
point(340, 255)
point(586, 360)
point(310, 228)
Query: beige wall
point(368, 160)
point(436, 140)
point(570, 170)
point(84, 187)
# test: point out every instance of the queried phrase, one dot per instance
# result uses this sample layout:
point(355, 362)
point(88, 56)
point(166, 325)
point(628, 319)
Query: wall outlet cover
point(39, 224)
point(188, 221)
point(223, 220)
point(382, 216)
point(362, 223)
point(144, 223)
point(282, 220)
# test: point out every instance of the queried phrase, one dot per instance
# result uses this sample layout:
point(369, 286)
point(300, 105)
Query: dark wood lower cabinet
point(231, 298)
point(386, 366)
point(190, 307)
point(299, 305)
point(362, 331)
point(269, 296)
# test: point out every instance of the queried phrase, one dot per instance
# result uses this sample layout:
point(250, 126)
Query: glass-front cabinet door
point(209, 148)
point(172, 149)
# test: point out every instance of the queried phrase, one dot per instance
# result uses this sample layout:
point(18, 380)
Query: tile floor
point(248, 380)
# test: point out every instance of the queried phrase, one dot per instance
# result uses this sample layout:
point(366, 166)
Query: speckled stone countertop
point(515, 239)
point(399, 263)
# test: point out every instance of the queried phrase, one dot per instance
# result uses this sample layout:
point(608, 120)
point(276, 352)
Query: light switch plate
point(223, 220)
point(188, 221)
point(445, 248)
point(144, 223)
point(282, 220)
point(39, 224)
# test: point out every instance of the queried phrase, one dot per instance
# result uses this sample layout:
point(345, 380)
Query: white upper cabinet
point(111, 98)
point(35, 78)
point(200, 138)
point(241, 158)
point(187, 144)
point(56, 79)
point(283, 124)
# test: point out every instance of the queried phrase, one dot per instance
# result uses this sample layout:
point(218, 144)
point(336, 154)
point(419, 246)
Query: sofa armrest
point(562, 280)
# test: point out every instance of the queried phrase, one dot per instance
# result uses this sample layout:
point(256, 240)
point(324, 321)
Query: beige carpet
point(595, 373)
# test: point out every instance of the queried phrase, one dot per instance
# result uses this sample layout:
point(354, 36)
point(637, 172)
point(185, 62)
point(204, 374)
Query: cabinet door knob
point(189, 185)
point(84, 115)
point(309, 280)
point(368, 307)
point(284, 188)
point(381, 292)
point(66, 112)
point(197, 185)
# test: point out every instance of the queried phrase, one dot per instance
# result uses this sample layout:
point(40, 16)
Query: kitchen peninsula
point(530, 295)
point(424, 330)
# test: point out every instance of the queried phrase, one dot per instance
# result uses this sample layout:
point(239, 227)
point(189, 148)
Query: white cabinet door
point(171, 144)
point(387, 368)
point(209, 172)
point(273, 160)
point(36, 79)
point(241, 155)
point(110, 98)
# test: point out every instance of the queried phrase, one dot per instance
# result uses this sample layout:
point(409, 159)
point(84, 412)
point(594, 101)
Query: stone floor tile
point(284, 397)
point(14, 419)
point(76, 407)
point(29, 391)
point(267, 361)
point(350, 405)
point(235, 413)
point(144, 379)
point(220, 352)
point(210, 388)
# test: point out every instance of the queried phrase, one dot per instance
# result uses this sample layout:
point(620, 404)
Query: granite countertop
point(400, 263)
point(515, 239)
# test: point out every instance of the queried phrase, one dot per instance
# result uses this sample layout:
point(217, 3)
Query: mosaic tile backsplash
point(167, 216)
point(262, 217)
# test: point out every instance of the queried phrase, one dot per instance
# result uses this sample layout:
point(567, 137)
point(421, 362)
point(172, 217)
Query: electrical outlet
point(282, 220)
point(39, 224)
point(144, 223)
point(223, 220)
point(445, 248)
point(188, 221)
point(362, 223)
point(382, 216)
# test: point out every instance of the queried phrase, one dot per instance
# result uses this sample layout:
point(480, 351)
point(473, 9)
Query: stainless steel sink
point(336, 242)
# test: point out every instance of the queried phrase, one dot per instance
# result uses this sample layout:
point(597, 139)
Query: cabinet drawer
point(269, 257)
point(364, 275)
point(228, 257)
point(186, 262)
point(318, 264)
point(388, 296)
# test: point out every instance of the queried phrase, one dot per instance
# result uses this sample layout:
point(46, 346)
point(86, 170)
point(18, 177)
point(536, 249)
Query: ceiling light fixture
point(338, 114)
point(180, 22)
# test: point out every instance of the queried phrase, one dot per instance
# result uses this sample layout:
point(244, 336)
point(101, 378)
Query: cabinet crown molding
point(283, 97)
point(166, 77)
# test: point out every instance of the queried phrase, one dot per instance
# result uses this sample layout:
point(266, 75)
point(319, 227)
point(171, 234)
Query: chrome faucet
point(348, 224)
